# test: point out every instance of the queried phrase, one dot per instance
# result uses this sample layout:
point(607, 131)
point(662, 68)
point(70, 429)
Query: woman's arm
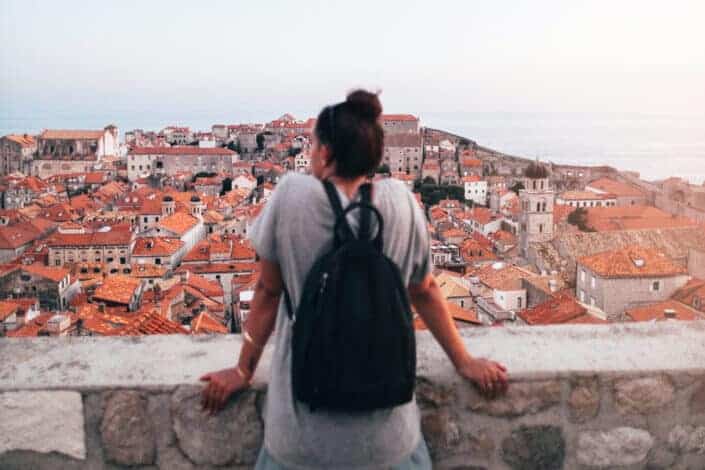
point(256, 331)
point(428, 300)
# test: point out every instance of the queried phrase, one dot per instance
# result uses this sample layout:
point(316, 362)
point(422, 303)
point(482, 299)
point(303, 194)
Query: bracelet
point(249, 339)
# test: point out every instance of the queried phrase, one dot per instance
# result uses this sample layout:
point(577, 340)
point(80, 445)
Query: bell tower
point(537, 199)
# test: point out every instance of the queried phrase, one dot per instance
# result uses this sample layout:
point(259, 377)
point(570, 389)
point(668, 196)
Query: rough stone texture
point(619, 446)
point(42, 422)
point(584, 399)
point(660, 459)
point(126, 430)
point(446, 437)
point(687, 439)
point(433, 394)
point(643, 395)
point(521, 398)
point(232, 436)
point(534, 448)
point(697, 401)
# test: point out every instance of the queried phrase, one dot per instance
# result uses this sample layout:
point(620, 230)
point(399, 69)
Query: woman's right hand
point(490, 377)
point(221, 385)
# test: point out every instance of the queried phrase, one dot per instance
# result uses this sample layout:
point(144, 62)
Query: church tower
point(537, 199)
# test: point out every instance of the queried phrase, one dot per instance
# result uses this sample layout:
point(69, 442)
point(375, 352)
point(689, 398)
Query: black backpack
point(353, 344)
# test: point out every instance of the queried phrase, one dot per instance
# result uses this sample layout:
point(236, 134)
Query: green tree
point(517, 187)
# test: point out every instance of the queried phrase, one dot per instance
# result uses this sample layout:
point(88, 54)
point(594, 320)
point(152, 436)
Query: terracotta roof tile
point(657, 311)
point(179, 223)
point(117, 288)
point(156, 246)
point(71, 134)
point(632, 261)
point(204, 323)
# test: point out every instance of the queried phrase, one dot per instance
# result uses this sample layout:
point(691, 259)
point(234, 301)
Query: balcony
point(618, 396)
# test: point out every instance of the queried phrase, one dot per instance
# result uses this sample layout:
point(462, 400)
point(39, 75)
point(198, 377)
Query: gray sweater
point(294, 228)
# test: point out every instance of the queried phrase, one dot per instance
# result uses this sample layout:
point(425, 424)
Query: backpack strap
point(366, 197)
point(337, 206)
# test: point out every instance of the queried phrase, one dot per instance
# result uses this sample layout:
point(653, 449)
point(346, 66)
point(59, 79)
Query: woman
point(294, 228)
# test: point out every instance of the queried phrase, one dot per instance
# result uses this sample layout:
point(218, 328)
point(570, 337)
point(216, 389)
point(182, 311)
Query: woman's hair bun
point(364, 104)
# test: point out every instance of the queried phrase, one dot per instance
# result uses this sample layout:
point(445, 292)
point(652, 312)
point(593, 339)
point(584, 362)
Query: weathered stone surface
point(42, 422)
point(697, 400)
point(660, 459)
point(432, 394)
point(619, 446)
point(534, 448)
point(584, 399)
point(126, 430)
point(643, 395)
point(687, 439)
point(445, 436)
point(521, 398)
point(232, 436)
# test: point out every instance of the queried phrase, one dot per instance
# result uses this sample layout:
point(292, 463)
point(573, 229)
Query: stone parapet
point(625, 396)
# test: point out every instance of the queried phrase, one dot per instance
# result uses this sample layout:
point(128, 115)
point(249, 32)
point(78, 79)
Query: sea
point(657, 146)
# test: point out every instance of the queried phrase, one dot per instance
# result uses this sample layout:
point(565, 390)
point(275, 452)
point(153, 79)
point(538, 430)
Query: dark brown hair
point(352, 131)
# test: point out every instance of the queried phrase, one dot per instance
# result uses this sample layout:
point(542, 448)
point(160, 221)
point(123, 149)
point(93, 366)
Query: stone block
point(43, 421)
point(520, 399)
point(432, 394)
point(584, 399)
point(126, 430)
point(232, 436)
point(534, 448)
point(445, 436)
point(697, 400)
point(687, 439)
point(645, 395)
point(619, 446)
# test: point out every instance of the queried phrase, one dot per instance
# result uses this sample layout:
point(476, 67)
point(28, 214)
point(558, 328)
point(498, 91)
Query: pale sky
point(274, 56)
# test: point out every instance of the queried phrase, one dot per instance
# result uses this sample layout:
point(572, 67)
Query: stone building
point(624, 193)
point(403, 153)
point(618, 280)
point(106, 250)
point(73, 151)
point(16, 152)
point(400, 124)
point(52, 286)
point(143, 162)
point(536, 200)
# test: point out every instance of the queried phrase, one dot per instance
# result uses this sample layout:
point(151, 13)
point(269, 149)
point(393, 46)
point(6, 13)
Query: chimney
point(669, 313)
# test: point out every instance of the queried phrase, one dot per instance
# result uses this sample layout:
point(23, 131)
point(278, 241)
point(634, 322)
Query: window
point(656, 286)
point(109, 260)
point(157, 261)
point(123, 260)
point(519, 302)
point(593, 282)
point(145, 220)
point(26, 277)
point(582, 295)
point(540, 228)
point(57, 262)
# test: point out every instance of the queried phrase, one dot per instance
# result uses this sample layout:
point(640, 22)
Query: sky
point(260, 59)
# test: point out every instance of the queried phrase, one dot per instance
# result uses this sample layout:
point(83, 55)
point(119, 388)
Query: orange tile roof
point(561, 308)
point(206, 286)
point(156, 246)
point(617, 188)
point(148, 271)
point(7, 309)
point(399, 117)
point(656, 311)
point(471, 179)
point(179, 223)
point(114, 237)
point(55, 274)
point(624, 263)
point(213, 268)
point(118, 289)
point(204, 323)
point(71, 134)
point(181, 150)
point(32, 328)
point(585, 195)
point(24, 140)
point(693, 293)
point(633, 218)
point(152, 323)
point(463, 314)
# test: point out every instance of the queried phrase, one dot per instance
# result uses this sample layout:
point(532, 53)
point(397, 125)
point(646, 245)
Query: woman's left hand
point(221, 385)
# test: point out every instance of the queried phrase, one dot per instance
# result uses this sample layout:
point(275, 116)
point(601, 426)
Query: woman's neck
point(348, 185)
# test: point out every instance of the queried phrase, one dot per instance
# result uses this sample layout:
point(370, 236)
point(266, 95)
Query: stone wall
point(581, 397)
